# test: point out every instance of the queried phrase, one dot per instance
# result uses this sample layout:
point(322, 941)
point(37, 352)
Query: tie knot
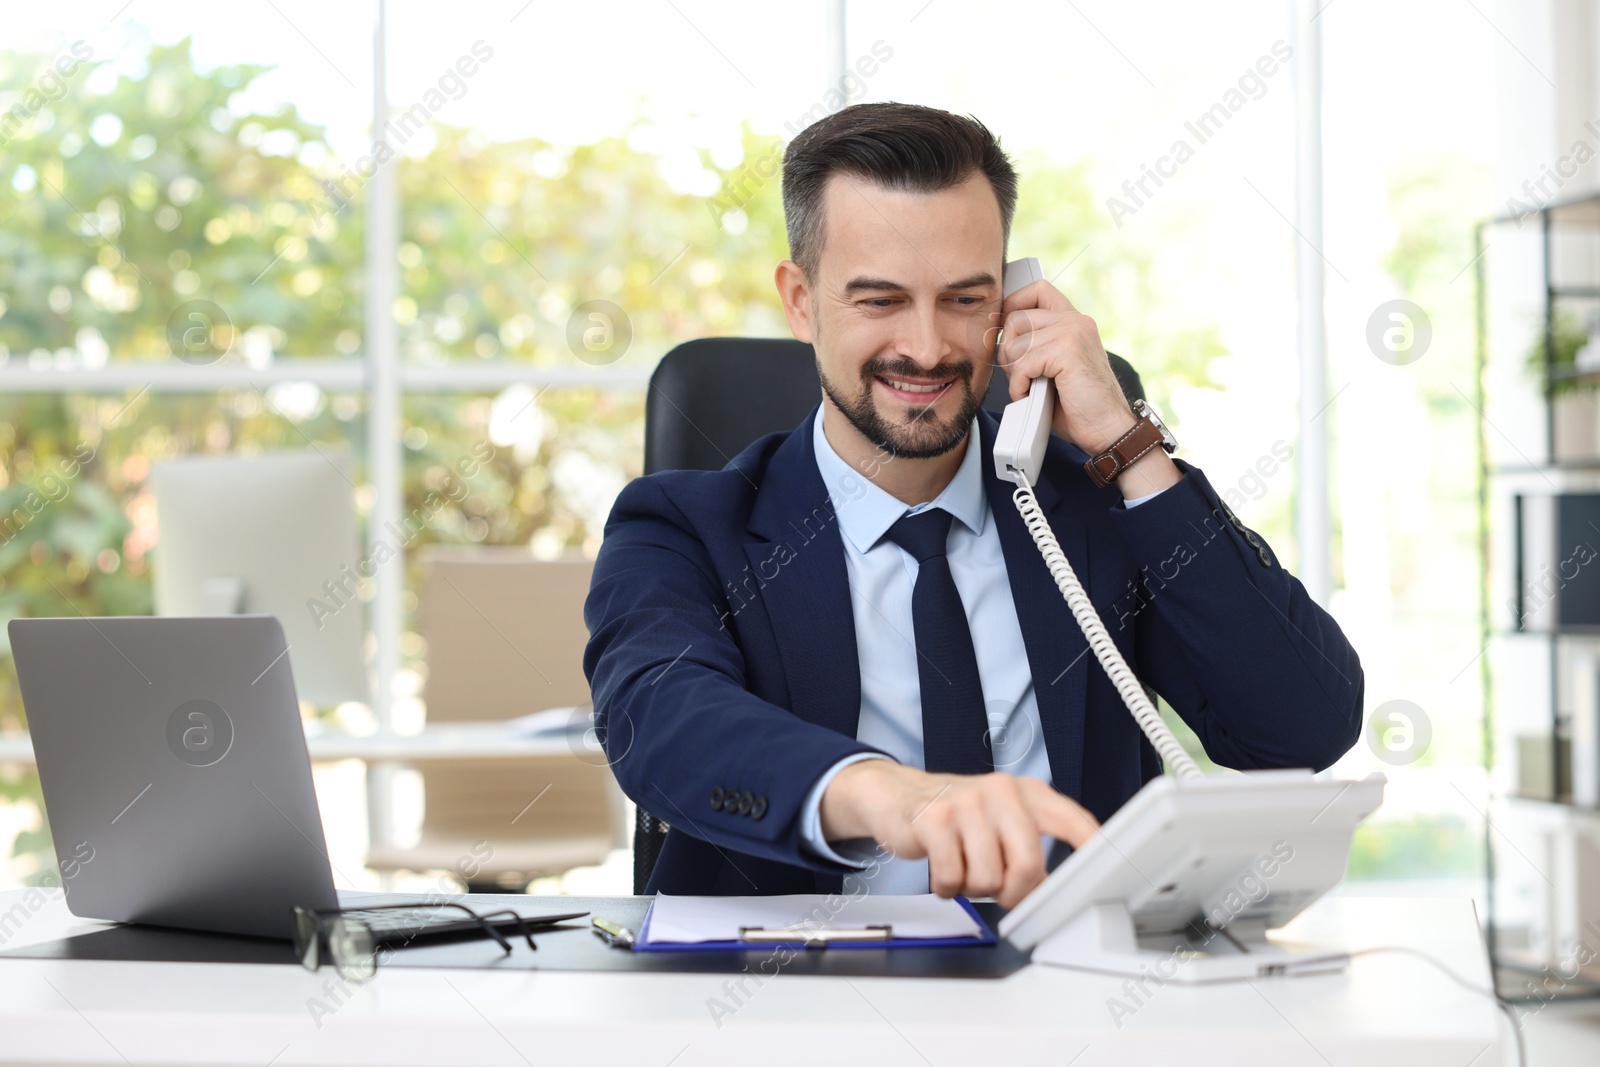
point(924, 534)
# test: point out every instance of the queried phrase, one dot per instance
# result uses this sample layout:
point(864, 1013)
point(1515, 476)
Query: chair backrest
point(708, 400)
point(505, 637)
point(505, 632)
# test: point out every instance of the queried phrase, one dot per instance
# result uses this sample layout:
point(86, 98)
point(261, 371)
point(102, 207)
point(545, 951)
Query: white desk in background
point(382, 752)
point(447, 741)
point(1386, 1009)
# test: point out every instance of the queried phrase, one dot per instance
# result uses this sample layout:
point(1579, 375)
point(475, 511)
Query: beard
point(925, 435)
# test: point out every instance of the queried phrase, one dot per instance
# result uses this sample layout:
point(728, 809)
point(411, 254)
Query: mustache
point(906, 368)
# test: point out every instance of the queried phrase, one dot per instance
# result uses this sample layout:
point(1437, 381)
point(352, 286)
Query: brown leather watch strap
point(1124, 452)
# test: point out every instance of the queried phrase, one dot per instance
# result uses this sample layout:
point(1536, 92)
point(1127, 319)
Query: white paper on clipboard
point(695, 919)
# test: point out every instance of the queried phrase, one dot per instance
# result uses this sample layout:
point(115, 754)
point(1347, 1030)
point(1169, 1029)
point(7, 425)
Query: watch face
point(1146, 409)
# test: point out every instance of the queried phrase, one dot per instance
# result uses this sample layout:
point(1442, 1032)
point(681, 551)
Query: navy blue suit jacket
point(722, 650)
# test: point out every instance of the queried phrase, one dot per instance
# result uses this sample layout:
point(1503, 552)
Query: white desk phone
point(1190, 873)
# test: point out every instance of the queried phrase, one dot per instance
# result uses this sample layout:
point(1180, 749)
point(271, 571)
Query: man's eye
point(880, 301)
point(969, 301)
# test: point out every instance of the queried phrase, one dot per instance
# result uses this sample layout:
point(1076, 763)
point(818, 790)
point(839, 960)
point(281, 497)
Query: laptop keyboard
point(401, 920)
point(405, 922)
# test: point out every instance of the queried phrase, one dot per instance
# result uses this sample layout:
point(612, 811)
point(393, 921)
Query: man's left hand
point(1046, 337)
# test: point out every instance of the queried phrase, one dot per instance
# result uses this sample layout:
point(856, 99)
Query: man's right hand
point(980, 833)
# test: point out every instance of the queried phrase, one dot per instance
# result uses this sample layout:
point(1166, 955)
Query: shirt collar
point(866, 512)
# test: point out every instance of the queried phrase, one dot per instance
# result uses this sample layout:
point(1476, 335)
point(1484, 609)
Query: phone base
point(1102, 939)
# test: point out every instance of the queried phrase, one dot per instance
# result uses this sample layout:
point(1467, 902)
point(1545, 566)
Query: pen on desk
point(613, 933)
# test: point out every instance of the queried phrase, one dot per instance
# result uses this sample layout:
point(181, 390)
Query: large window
point(207, 245)
point(188, 257)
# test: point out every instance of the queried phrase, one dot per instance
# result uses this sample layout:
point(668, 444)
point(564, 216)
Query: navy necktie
point(954, 727)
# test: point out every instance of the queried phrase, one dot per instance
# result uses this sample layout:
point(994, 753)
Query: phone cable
point(1105, 650)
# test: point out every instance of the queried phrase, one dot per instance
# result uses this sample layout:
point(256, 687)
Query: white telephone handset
point(1019, 448)
point(1025, 426)
point(1092, 912)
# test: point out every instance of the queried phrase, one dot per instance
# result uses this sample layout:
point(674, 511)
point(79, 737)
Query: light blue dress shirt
point(881, 578)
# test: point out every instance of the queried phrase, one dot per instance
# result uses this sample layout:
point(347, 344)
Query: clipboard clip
point(815, 934)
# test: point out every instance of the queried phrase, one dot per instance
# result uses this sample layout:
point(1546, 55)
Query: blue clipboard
point(986, 936)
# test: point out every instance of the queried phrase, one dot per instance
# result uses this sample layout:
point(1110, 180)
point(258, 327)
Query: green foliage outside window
point(122, 199)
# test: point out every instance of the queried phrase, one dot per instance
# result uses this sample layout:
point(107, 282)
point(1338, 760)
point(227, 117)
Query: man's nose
point(925, 342)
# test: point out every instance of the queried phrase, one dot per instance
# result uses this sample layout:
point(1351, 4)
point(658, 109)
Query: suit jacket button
point(746, 799)
point(716, 798)
point(730, 801)
point(759, 808)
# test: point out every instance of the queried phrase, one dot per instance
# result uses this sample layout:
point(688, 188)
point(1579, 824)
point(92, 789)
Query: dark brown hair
point(897, 146)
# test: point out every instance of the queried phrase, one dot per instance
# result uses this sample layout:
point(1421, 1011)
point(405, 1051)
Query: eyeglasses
point(353, 946)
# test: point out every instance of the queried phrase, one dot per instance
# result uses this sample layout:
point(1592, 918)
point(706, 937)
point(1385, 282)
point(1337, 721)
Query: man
point(842, 652)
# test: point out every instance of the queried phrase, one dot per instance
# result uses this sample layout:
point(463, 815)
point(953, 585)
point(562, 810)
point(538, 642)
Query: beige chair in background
point(505, 637)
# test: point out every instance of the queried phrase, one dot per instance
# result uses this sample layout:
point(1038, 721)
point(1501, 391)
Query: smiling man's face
point(902, 312)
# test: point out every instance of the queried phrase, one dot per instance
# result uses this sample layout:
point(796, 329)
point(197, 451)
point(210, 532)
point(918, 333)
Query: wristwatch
point(1147, 433)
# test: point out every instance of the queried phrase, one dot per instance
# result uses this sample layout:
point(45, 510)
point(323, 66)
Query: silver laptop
point(176, 779)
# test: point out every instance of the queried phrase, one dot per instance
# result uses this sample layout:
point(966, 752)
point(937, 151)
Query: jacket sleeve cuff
point(1188, 508)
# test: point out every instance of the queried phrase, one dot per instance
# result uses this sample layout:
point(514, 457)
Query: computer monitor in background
point(272, 534)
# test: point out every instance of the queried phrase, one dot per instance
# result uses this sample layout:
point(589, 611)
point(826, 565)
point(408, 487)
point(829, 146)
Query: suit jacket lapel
point(1058, 653)
point(799, 567)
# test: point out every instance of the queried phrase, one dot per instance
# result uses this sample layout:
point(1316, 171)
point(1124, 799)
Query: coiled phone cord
point(1105, 650)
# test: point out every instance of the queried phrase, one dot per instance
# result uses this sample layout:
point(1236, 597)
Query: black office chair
point(708, 400)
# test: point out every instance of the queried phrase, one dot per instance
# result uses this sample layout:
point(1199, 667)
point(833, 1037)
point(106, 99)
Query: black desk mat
point(572, 947)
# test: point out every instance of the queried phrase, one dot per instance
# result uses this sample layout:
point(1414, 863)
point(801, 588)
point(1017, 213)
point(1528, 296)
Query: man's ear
point(794, 289)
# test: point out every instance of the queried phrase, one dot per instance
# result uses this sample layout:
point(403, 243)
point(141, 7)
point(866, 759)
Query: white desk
point(1387, 1009)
